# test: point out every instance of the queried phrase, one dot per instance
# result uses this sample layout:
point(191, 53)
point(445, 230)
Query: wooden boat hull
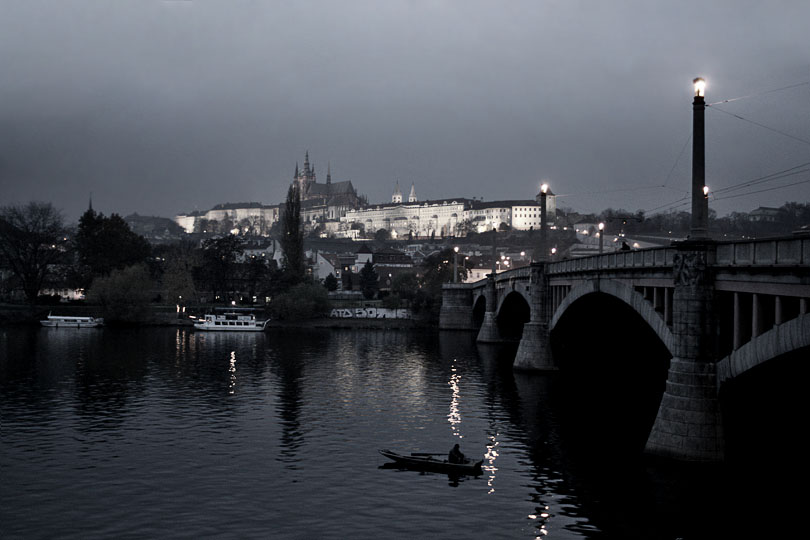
point(419, 463)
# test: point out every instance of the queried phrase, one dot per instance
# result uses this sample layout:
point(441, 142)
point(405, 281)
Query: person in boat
point(456, 456)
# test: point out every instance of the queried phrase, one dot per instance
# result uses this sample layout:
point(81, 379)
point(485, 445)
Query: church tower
point(412, 195)
point(306, 177)
point(397, 196)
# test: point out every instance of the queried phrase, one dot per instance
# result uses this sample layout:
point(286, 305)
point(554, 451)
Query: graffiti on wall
point(370, 313)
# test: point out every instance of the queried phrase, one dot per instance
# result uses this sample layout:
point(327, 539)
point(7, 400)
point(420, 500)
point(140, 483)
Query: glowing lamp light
point(700, 87)
point(544, 188)
point(601, 226)
point(455, 249)
point(706, 192)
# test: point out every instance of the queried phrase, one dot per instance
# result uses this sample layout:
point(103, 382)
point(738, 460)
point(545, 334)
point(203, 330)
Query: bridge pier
point(534, 351)
point(457, 307)
point(688, 425)
point(489, 332)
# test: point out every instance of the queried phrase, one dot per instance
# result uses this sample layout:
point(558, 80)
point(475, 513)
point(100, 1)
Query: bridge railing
point(640, 258)
point(767, 252)
point(516, 273)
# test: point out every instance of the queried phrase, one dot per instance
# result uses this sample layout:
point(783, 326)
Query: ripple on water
point(161, 433)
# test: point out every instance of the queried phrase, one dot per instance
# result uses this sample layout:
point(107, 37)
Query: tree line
point(121, 272)
point(786, 219)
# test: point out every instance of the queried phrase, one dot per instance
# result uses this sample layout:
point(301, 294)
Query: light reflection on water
point(173, 434)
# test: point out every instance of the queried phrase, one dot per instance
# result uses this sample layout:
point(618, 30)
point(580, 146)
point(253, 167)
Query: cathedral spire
point(328, 172)
point(412, 196)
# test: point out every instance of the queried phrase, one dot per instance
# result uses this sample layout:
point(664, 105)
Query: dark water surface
point(166, 433)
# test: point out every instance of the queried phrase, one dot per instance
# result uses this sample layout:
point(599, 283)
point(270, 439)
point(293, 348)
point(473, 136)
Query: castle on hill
point(334, 209)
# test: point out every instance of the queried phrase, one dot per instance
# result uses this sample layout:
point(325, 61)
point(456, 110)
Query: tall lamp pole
point(601, 237)
point(543, 224)
point(455, 264)
point(700, 193)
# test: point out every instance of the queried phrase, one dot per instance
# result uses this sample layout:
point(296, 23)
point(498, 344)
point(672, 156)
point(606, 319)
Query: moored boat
point(429, 463)
point(230, 322)
point(67, 321)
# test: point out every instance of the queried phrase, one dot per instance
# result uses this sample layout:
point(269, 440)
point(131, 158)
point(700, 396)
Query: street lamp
point(543, 224)
point(601, 237)
point(455, 264)
point(700, 201)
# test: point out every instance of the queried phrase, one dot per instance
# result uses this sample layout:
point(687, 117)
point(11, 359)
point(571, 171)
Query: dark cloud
point(163, 107)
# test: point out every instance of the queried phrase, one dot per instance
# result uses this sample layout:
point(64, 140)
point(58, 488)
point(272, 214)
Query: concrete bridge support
point(534, 351)
point(457, 309)
point(489, 332)
point(688, 425)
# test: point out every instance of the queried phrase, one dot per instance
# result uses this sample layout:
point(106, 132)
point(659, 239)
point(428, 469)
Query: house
point(764, 214)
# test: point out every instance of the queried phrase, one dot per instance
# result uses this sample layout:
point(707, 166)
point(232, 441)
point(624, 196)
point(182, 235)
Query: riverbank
point(26, 315)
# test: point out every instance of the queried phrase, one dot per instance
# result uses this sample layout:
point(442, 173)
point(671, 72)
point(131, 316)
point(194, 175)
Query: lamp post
point(700, 193)
point(601, 237)
point(455, 264)
point(543, 224)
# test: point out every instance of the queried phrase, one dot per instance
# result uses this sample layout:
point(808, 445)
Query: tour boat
point(426, 462)
point(66, 321)
point(230, 322)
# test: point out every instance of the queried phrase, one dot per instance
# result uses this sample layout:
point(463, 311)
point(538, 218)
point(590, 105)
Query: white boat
point(66, 321)
point(230, 322)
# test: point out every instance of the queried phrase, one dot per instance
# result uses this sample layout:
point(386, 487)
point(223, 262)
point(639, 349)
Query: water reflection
point(139, 432)
point(490, 457)
point(287, 360)
point(454, 416)
point(232, 371)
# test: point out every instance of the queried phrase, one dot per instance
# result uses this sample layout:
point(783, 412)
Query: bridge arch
point(513, 312)
point(782, 339)
point(512, 291)
point(479, 310)
point(626, 294)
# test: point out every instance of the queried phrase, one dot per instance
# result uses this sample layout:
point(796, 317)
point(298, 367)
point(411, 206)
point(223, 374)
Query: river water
point(167, 433)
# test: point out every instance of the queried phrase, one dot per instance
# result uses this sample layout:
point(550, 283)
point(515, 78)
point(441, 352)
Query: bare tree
point(32, 238)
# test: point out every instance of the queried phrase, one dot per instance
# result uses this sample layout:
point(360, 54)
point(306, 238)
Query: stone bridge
point(719, 309)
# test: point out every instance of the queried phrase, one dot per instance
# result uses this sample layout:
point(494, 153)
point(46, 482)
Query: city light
point(700, 86)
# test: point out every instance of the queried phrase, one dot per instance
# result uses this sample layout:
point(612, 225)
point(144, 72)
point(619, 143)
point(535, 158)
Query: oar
point(428, 453)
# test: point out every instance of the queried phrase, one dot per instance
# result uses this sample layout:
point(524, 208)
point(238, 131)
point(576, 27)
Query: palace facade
point(336, 209)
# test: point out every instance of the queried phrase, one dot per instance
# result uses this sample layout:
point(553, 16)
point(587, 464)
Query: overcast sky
point(162, 107)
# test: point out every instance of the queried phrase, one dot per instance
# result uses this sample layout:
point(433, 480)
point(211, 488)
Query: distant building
point(244, 218)
point(439, 219)
point(764, 214)
point(323, 202)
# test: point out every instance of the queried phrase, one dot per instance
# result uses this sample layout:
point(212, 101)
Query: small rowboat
point(429, 463)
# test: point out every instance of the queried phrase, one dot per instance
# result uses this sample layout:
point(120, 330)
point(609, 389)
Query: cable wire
point(762, 190)
point(763, 126)
point(760, 93)
point(767, 178)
